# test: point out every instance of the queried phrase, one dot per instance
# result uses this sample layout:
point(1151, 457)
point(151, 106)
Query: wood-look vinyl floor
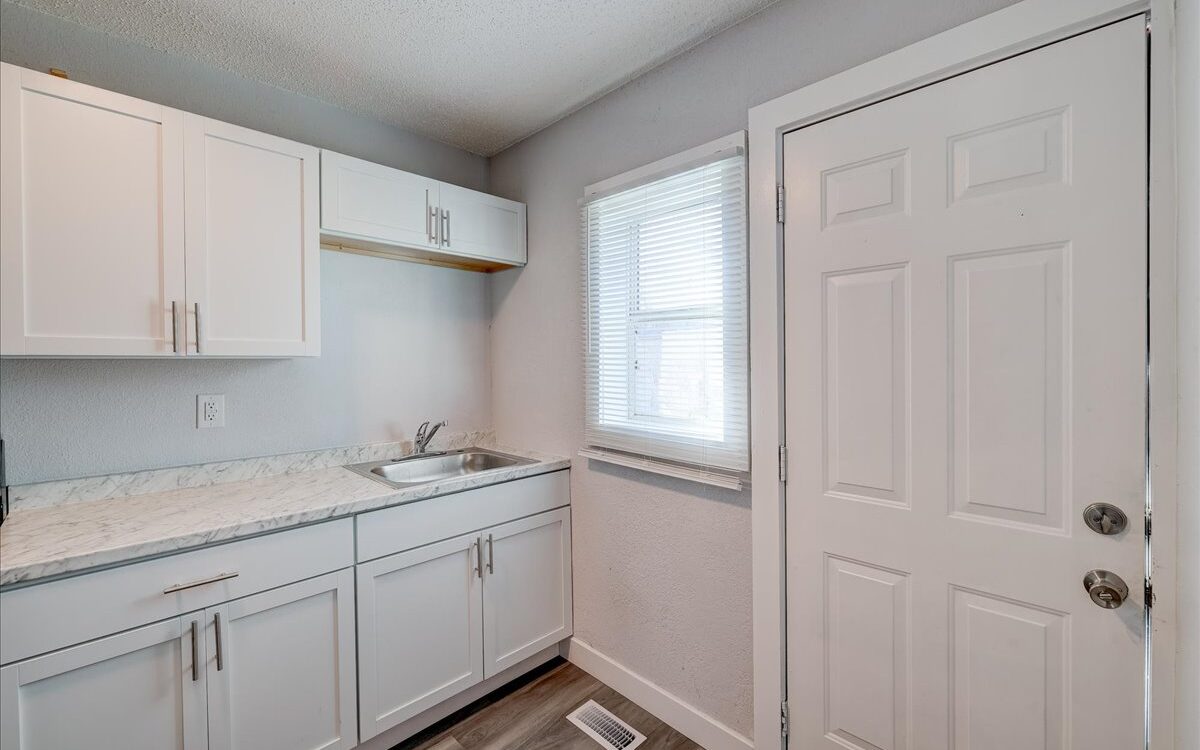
point(530, 714)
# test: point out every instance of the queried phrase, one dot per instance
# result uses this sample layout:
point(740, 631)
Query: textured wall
point(1187, 698)
point(400, 342)
point(662, 567)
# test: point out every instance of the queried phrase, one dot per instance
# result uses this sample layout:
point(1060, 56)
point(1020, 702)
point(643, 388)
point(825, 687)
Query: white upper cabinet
point(373, 202)
point(130, 229)
point(91, 216)
point(373, 208)
point(482, 225)
point(253, 252)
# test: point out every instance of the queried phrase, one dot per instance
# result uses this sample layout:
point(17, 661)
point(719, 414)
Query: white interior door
point(281, 668)
point(965, 290)
point(91, 245)
point(139, 690)
point(527, 588)
point(420, 630)
point(253, 242)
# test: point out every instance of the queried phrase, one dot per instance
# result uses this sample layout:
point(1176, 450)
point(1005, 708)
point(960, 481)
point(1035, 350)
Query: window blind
point(666, 307)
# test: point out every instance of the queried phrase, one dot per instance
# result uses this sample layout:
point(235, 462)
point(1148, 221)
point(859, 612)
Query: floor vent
point(605, 728)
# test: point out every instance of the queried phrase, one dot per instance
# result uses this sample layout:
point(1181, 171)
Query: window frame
point(683, 449)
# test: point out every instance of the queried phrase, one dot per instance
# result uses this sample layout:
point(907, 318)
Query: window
point(666, 340)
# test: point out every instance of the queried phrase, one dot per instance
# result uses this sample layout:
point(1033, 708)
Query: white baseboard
point(698, 726)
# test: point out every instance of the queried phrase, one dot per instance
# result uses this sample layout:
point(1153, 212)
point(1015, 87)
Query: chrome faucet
point(424, 434)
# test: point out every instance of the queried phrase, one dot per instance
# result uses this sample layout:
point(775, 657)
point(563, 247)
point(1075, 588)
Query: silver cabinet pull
point(174, 326)
point(446, 227)
point(201, 582)
point(478, 558)
point(195, 654)
point(197, 308)
point(435, 220)
point(430, 220)
point(217, 633)
point(491, 556)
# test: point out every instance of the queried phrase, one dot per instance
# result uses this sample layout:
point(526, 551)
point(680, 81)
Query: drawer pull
point(201, 582)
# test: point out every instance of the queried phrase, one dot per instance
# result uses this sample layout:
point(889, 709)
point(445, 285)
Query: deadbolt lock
point(1105, 518)
point(1106, 589)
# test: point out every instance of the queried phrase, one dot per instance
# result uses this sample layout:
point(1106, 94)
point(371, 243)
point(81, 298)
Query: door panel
point(285, 677)
point(253, 244)
point(135, 691)
point(374, 202)
point(965, 372)
point(482, 225)
point(92, 249)
point(527, 589)
point(420, 630)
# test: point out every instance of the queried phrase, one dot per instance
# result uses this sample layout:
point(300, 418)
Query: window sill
point(716, 479)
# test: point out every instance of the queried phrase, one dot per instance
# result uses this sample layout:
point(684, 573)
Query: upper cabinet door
point(377, 203)
point(138, 690)
point(253, 242)
point(527, 588)
point(482, 225)
point(91, 242)
point(281, 668)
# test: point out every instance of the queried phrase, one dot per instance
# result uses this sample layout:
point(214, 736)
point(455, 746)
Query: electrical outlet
point(210, 411)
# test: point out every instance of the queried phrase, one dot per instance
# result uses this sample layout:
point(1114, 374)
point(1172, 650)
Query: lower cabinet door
point(527, 588)
point(420, 630)
point(139, 690)
point(281, 668)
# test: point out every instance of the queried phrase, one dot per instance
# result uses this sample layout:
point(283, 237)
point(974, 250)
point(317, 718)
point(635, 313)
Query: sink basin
point(434, 467)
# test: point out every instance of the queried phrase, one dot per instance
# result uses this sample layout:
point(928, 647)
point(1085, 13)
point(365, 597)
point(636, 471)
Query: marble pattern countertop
point(39, 542)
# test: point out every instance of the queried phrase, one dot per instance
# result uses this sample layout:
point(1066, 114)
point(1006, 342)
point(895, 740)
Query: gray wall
point(662, 567)
point(401, 342)
point(1187, 697)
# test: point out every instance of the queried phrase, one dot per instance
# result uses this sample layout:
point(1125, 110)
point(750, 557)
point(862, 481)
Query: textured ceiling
point(478, 74)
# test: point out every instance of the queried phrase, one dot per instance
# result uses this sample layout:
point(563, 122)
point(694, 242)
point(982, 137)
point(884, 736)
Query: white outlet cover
point(210, 410)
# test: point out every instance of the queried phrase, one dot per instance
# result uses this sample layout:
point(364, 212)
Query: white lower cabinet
point(527, 593)
point(281, 668)
point(420, 630)
point(138, 690)
point(435, 620)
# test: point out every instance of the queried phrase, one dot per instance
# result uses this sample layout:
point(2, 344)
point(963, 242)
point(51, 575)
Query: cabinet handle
point(429, 219)
point(491, 556)
point(174, 326)
point(201, 582)
point(435, 222)
point(478, 558)
point(195, 654)
point(197, 307)
point(217, 633)
point(446, 227)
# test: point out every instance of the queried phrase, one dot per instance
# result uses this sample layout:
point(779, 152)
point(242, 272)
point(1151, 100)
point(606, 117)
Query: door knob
point(1105, 518)
point(1106, 589)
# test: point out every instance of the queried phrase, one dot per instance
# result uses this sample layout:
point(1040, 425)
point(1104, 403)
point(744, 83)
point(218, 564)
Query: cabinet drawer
point(52, 615)
point(391, 530)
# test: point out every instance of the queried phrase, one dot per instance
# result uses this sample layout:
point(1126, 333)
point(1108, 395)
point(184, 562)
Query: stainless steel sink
point(434, 467)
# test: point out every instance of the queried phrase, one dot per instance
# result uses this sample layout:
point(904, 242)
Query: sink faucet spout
point(424, 435)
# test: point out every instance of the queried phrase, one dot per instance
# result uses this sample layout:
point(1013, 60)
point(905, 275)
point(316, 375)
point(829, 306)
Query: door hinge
point(779, 203)
point(784, 721)
point(783, 464)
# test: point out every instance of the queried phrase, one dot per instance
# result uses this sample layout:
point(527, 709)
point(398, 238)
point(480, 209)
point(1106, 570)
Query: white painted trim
point(685, 718)
point(706, 152)
point(1015, 29)
point(716, 479)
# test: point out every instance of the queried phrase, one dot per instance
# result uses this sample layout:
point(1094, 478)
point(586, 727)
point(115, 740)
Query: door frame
point(1013, 30)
